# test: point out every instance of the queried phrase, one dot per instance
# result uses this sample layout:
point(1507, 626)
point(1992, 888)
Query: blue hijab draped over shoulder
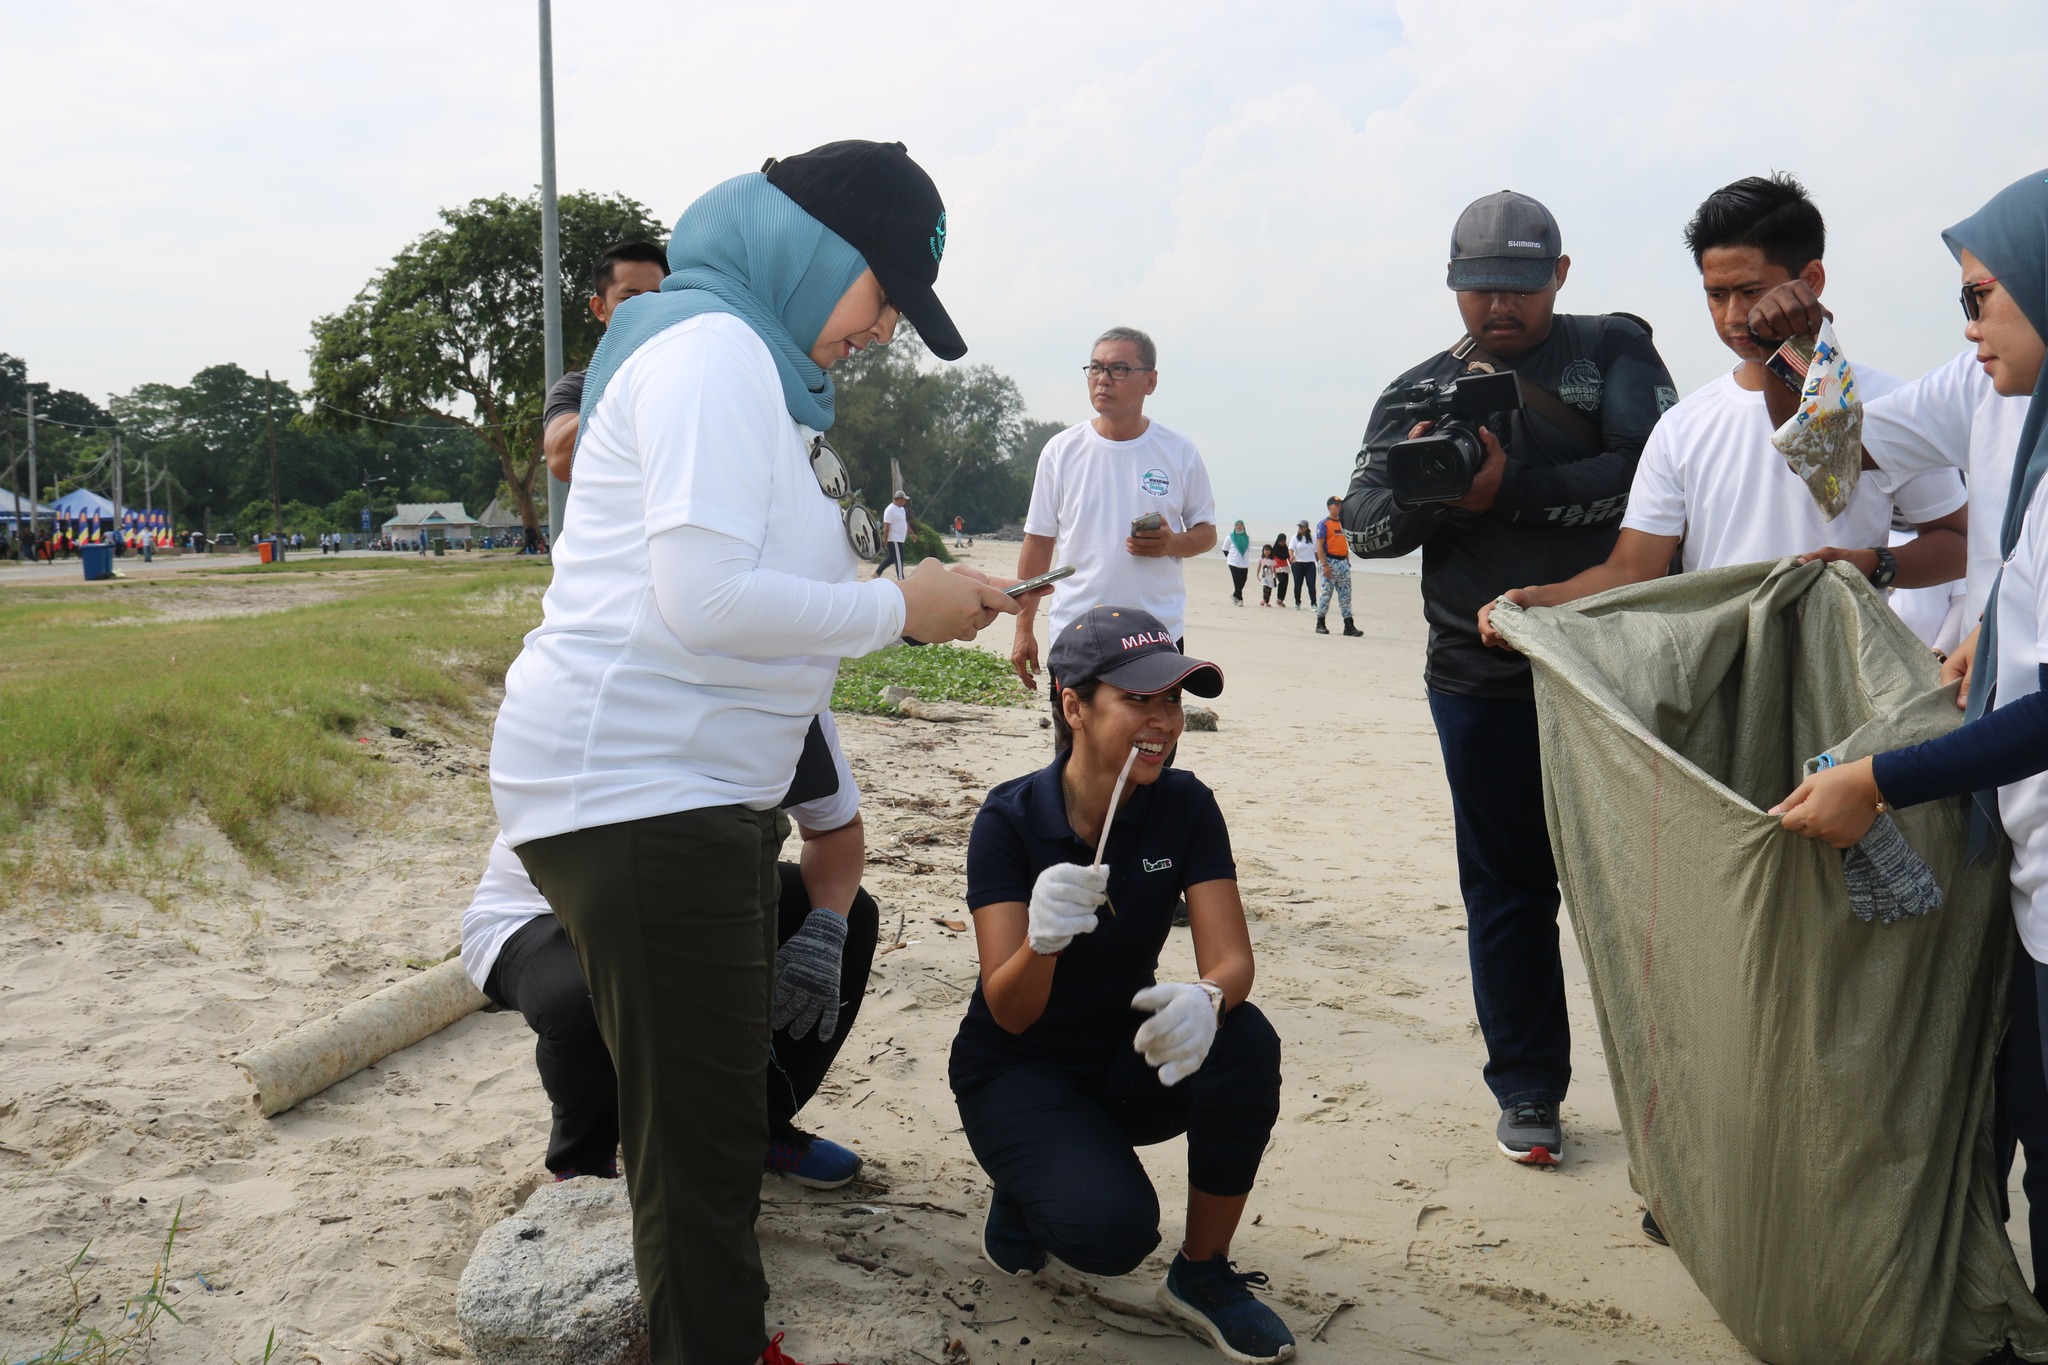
point(743, 248)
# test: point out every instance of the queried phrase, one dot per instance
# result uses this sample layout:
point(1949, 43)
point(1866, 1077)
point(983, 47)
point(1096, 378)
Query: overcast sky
point(1268, 190)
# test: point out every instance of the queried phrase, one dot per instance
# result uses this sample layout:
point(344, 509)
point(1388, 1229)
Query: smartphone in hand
point(1034, 584)
point(1151, 521)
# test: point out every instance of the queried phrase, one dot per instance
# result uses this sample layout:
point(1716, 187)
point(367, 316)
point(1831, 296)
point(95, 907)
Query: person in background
point(1281, 558)
point(1072, 1053)
point(1543, 505)
point(703, 593)
point(1122, 497)
point(621, 272)
point(1710, 488)
point(1237, 553)
point(1265, 575)
point(1333, 564)
point(959, 531)
point(896, 521)
point(1302, 556)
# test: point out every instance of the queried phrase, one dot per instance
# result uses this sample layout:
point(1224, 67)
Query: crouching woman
point(1072, 1053)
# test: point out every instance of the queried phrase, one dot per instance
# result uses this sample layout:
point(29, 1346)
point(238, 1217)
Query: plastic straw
point(1114, 796)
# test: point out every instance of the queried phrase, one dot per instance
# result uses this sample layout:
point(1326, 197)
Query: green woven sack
point(1807, 1097)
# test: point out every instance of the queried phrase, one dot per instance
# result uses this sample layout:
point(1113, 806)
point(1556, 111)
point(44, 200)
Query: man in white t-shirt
point(515, 950)
point(896, 521)
point(1122, 498)
point(1711, 489)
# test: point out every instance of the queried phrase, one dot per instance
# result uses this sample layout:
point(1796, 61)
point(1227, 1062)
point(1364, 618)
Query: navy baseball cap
point(1505, 241)
point(886, 207)
point(1128, 649)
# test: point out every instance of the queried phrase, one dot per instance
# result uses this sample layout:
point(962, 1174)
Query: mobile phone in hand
point(1034, 584)
point(1151, 521)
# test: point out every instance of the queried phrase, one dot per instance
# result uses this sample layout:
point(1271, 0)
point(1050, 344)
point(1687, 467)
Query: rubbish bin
point(263, 552)
point(440, 547)
point(98, 561)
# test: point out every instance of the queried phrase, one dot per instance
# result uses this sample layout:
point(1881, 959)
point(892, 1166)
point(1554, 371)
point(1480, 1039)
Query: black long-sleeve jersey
point(1559, 506)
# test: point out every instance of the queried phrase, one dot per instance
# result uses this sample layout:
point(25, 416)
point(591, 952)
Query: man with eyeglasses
point(1121, 497)
point(1544, 505)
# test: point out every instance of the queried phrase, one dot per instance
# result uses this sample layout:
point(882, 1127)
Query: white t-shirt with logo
point(608, 716)
point(1951, 418)
point(897, 521)
point(1710, 474)
point(506, 899)
point(2022, 648)
point(1086, 494)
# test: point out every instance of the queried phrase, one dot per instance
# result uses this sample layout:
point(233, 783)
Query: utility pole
point(550, 252)
point(115, 534)
point(270, 429)
point(35, 491)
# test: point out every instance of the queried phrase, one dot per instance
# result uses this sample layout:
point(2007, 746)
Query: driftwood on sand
point(335, 1046)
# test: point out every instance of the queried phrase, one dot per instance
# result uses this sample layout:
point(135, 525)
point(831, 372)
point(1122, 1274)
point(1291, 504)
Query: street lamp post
point(550, 251)
point(367, 481)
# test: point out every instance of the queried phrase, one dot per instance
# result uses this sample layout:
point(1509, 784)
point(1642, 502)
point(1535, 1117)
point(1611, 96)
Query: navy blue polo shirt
point(1168, 837)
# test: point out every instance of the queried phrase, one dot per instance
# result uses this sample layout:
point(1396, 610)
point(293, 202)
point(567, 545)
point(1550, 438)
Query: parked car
point(226, 540)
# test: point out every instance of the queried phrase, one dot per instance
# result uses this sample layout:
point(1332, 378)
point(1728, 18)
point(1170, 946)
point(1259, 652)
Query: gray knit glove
point(1887, 880)
point(807, 977)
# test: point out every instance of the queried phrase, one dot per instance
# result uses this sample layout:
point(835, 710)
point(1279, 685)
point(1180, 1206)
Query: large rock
point(553, 1284)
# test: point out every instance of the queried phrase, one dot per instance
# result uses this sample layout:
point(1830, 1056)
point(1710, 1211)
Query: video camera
point(1439, 466)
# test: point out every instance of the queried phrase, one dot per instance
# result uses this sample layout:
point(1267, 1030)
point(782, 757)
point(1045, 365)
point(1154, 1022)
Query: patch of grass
point(396, 559)
point(132, 1334)
point(934, 672)
point(240, 717)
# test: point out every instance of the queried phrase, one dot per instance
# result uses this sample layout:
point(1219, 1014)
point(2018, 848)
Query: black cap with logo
point(887, 209)
point(1505, 241)
point(1129, 649)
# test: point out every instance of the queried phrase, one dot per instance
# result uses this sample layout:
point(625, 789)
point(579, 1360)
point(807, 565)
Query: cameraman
point(1547, 497)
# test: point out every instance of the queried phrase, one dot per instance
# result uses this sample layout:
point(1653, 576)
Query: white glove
point(1063, 902)
point(1180, 1032)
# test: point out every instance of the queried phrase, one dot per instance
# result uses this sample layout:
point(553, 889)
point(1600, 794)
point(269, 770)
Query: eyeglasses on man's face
point(835, 481)
point(1095, 369)
point(1973, 297)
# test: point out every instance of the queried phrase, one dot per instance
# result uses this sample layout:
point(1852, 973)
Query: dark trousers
point(1058, 1142)
point(538, 975)
point(1237, 577)
point(673, 918)
point(1305, 574)
point(1510, 887)
point(895, 559)
point(2023, 1104)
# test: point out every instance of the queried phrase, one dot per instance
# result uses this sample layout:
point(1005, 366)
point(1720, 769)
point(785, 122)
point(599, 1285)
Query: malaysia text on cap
point(887, 209)
point(1505, 241)
point(1129, 649)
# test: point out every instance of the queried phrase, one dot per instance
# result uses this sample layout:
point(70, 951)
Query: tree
point(452, 328)
point(65, 440)
point(959, 434)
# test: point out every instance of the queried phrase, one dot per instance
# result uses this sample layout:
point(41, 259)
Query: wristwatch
point(1215, 994)
point(1887, 569)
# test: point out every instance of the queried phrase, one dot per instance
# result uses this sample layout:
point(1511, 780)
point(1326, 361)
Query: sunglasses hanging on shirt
point(835, 481)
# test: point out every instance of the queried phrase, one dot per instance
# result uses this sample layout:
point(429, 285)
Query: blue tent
point(82, 502)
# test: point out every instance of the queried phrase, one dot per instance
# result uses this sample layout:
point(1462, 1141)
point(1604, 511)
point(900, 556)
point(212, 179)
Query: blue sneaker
point(811, 1160)
point(1212, 1297)
point(1006, 1242)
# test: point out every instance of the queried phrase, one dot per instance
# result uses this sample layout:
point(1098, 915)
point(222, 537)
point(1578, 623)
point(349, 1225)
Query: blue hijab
point(743, 248)
point(2010, 236)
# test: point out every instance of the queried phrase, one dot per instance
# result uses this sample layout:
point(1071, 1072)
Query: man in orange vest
point(1333, 558)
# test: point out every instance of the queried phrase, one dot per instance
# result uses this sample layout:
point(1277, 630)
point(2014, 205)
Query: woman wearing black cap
point(1072, 1054)
point(704, 591)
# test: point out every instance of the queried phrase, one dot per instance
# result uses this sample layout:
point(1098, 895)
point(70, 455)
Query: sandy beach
point(1384, 1215)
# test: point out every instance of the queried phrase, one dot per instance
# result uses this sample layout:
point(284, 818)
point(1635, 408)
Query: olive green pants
point(673, 919)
